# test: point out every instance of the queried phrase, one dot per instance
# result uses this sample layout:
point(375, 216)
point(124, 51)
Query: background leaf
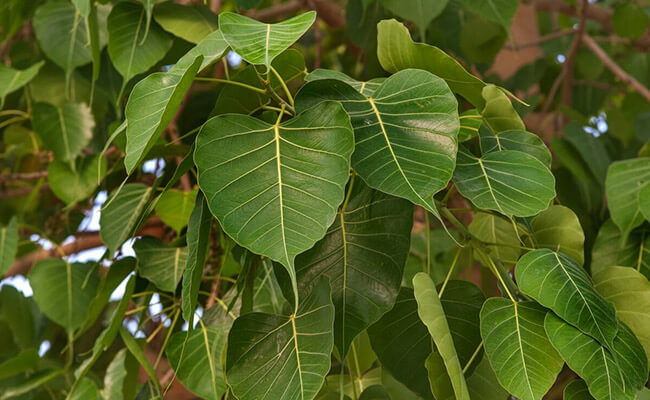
point(624, 181)
point(8, 245)
point(192, 23)
point(75, 184)
point(65, 130)
point(161, 264)
point(122, 213)
point(174, 207)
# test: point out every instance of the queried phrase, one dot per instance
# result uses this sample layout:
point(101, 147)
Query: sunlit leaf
point(624, 181)
point(174, 207)
point(498, 113)
point(558, 228)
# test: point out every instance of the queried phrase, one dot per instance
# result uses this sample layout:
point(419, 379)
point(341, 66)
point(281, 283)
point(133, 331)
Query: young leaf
point(498, 113)
point(276, 188)
point(174, 207)
point(405, 132)
point(13, 79)
point(75, 184)
point(192, 23)
point(521, 355)
point(510, 182)
point(282, 356)
point(65, 130)
point(523, 141)
point(8, 245)
point(159, 263)
point(624, 181)
point(561, 284)
point(363, 255)
point(120, 217)
point(558, 228)
point(259, 43)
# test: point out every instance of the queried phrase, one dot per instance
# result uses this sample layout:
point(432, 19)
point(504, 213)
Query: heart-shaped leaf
point(405, 133)
point(521, 355)
point(259, 43)
point(282, 356)
point(624, 181)
point(192, 23)
point(561, 284)
point(73, 185)
point(523, 141)
point(558, 228)
point(65, 130)
point(159, 263)
point(364, 249)
point(275, 188)
point(510, 182)
point(122, 214)
point(498, 113)
point(13, 79)
point(8, 245)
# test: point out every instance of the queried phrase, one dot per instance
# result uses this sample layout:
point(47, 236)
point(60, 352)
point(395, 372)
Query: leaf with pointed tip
point(174, 207)
point(558, 228)
point(577, 390)
point(622, 185)
point(282, 356)
point(363, 255)
point(259, 43)
point(521, 355)
point(192, 23)
point(121, 376)
point(561, 284)
point(65, 130)
point(8, 245)
point(121, 216)
point(644, 201)
point(609, 249)
point(73, 185)
point(498, 113)
point(510, 182)
point(405, 133)
point(63, 291)
point(133, 50)
point(523, 141)
point(396, 51)
point(484, 385)
point(276, 188)
point(629, 290)
point(159, 263)
point(499, 11)
point(365, 88)
point(13, 79)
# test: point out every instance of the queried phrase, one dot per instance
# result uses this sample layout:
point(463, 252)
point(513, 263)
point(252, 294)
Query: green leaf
point(148, 7)
point(75, 184)
point(161, 264)
point(196, 357)
point(630, 293)
point(470, 123)
point(192, 23)
point(561, 284)
point(13, 79)
point(121, 216)
point(282, 356)
point(422, 12)
point(375, 392)
point(86, 390)
point(26, 360)
point(137, 352)
point(521, 355)
point(577, 390)
point(630, 20)
point(644, 201)
point(131, 48)
point(558, 228)
point(483, 384)
point(590, 148)
point(405, 132)
point(624, 181)
point(276, 188)
point(498, 113)
point(8, 245)
point(500, 233)
point(63, 291)
point(363, 255)
point(609, 249)
point(433, 316)
point(62, 35)
point(500, 11)
point(198, 239)
point(365, 88)
point(396, 51)
point(523, 141)
point(481, 39)
point(19, 316)
point(83, 7)
point(174, 207)
point(121, 375)
point(65, 130)
point(510, 182)
point(259, 43)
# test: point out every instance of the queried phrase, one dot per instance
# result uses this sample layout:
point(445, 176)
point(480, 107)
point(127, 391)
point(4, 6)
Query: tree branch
point(569, 63)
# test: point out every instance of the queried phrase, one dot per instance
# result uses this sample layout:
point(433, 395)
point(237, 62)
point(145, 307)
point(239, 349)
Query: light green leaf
point(122, 214)
point(159, 263)
point(396, 51)
point(65, 130)
point(609, 249)
point(405, 132)
point(363, 255)
point(86, 390)
point(83, 7)
point(523, 141)
point(510, 182)
point(521, 355)
point(131, 52)
point(73, 185)
point(558, 228)
point(498, 113)
point(121, 376)
point(433, 315)
point(561, 284)
point(63, 291)
point(644, 201)
point(577, 390)
point(624, 181)
point(13, 79)
point(500, 11)
point(8, 245)
point(484, 385)
point(259, 185)
point(282, 356)
point(422, 12)
point(174, 207)
point(630, 293)
point(192, 23)
point(500, 233)
point(259, 43)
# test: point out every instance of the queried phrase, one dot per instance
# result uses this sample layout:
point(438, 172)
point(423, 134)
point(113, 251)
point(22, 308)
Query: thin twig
point(569, 63)
point(542, 39)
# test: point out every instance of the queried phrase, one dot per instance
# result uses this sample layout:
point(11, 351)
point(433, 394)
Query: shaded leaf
point(161, 264)
point(624, 181)
point(499, 233)
point(375, 392)
point(26, 360)
point(65, 130)
point(121, 375)
point(644, 201)
point(484, 385)
point(8, 245)
point(577, 390)
point(13, 79)
point(120, 217)
point(609, 249)
point(75, 184)
point(192, 23)
point(18, 312)
point(558, 228)
point(500, 11)
point(422, 12)
point(523, 141)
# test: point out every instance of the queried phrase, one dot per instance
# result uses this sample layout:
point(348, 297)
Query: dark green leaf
point(609, 249)
point(75, 184)
point(161, 264)
point(8, 245)
point(192, 23)
point(577, 390)
point(422, 12)
point(558, 228)
point(26, 360)
point(624, 181)
point(120, 217)
point(65, 130)
point(523, 141)
point(500, 11)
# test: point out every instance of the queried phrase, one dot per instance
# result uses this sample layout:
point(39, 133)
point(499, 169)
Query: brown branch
point(278, 11)
point(542, 39)
point(23, 176)
point(569, 62)
point(328, 11)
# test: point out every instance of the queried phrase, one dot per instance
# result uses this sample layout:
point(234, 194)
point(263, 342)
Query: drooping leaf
point(510, 182)
point(259, 43)
point(8, 245)
point(120, 217)
point(121, 375)
point(161, 264)
point(64, 290)
point(422, 12)
point(499, 234)
point(523, 141)
point(73, 185)
point(609, 249)
point(433, 316)
point(558, 228)
point(484, 385)
point(500, 11)
point(13, 79)
point(624, 181)
point(629, 290)
point(498, 113)
point(396, 51)
point(174, 207)
point(363, 255)
point(65, 130)
point(276, 188)
point(282, 356)
point(561, 284)
point(405, 132)
point(192, 23)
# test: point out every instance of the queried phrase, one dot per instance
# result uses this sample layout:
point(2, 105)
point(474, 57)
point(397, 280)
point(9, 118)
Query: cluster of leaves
point(285, 224)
